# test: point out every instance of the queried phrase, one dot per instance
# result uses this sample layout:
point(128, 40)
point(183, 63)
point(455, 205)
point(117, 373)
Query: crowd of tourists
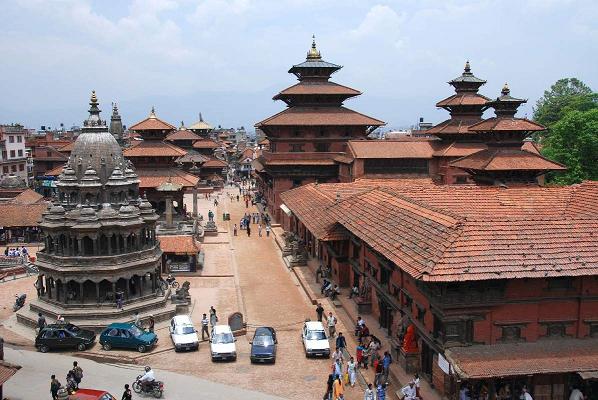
point(16, 252)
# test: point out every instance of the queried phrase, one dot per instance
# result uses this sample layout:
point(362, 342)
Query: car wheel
point(141, 348)
point(81, 347)
point(43, 348)
point(107, 346)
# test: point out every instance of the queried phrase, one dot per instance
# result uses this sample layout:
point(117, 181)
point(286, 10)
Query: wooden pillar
point(195, 202)
point(169, 210)
point(141, 285)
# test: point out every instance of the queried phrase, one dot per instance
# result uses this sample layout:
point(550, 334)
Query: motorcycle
point(155, 390)
point(165, 284)
point(19, 301)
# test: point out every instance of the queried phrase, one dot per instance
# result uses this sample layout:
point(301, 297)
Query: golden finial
point(505, 90)
point(313, 53)
point(94, 98)
point(153, 113)
point(467, 66)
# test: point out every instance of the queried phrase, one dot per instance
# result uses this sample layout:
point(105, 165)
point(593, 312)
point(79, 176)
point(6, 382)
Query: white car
point(183, 333)
point(222, 343)
point(315, 340)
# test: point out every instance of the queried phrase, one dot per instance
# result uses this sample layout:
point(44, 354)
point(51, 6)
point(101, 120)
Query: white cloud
point(380, 23)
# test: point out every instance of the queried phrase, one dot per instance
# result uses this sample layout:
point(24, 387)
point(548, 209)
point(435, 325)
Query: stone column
point(98, 292)
point(169, 210)
point(49, 283)
point(81, 292)
point(154, 286)
point(109, 239)
point(141, 285)
point(96, 246)
point(80, 244)
point(114, 290)
point(194, 202)
point(128, 289)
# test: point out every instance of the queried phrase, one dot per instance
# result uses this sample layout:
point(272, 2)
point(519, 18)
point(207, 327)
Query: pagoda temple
point(308, 139)
point(100, 239)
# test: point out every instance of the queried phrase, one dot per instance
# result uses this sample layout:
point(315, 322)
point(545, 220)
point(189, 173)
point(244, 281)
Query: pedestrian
point(136, 319)
point(259, 230)
point(331, 324)
point(338, 389)
point(576, 394)
point(351, 370)
point(267, 230)
point(127, 395)
point(320, 312)
point(215, 202)
point(359, 354)
point(365, 357)
point(41, 322)
point(381, 392)
point(151, 324)
point(369, 392)
point(364, 332)
point(235, 230)
point(337, 355)
point(417, 386)
point(119, 300)
point(213, 316)
point(204, 327)
point(525, 395)
point(378, 372)
point(409, 392)
point(54, 386)
point(248, 230)
point(374, 356)
point(77, 373)
point(341, 342)
point(237, 198)
point(337, 369)
point(386, 361)
point(329, 383)
point(319, 273)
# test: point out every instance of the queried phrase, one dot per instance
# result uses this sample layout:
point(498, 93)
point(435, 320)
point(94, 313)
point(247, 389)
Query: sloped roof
point(506, 124)
point(27, 196)
point(67, 148)
point(54, 171)
point(154, 177)
point(391, 149)
point(316, 116)
point(193, 156)
point(182, 134)
point(153, 148)
point(497, 159)
point(214, 163)
point(205, 144)
point(7, 370)
point(19, 215)
point(463, 99)
point(179, 244)
point(453, 126)
point(457, 149)
point(152, 123)
point(322, 88)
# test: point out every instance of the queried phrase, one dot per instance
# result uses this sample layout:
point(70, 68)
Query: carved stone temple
point(100, 240)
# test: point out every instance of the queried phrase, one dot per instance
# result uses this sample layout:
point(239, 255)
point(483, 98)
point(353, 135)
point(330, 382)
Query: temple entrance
point(385, 319)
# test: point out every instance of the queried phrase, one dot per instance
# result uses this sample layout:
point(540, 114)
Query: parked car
point(314, 339)
point(263, 345)
point(128, 336)
point(222, 343)
point(91, 394)
point(60, 336)
point(183, 334)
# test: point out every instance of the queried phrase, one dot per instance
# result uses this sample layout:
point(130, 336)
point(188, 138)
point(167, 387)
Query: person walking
point(338, 389)
point(341, 342)
point(267, 230)
point(77, 373)
point(127, 395)
point(136, 318)
point(238, 197)
point(329, 383)
point(151, 323)
point(337, 355)
point(369, 392)
point(259, 230)
point(204, 327)
point(41, 322)
point(235, 230)
point(337, 369)
point(213, 316)
point(352, 371)
point(331, 321)
point(248, 230)
point(319, 312)
point(54, 386)
point(386, 361)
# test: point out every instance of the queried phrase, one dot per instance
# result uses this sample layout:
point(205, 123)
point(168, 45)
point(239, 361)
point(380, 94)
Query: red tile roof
point(179, 244)
point(7, 370)
point(17, 215)
point(532, 147)
point(391, 149)
point(67, 148)
point(463, 99)
point(506, 124)
point(54, 171)
point(459, 233)
point(152, 178)
point(27, 196)
point(324, 88)
point(457, 149)
point(452, 127)
point(182, 134)
point(214, 163)
point(154, 148)
point(205, 144)
point(506, 159)
point(517, 359)
point(310, 116)
point(152, 123)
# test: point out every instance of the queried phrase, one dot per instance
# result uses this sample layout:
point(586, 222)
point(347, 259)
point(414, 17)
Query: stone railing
point(81, 261)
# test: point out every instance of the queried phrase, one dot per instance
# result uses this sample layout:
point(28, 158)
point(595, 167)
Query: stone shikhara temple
point(100, 239)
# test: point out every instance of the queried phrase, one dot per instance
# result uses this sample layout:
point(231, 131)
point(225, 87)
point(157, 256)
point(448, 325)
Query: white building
point(13, 158)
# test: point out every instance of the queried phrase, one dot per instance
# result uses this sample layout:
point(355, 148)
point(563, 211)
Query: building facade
point(13, 156)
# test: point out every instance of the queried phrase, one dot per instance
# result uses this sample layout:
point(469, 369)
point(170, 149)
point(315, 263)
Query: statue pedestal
point(409, 361)
point(210, 229)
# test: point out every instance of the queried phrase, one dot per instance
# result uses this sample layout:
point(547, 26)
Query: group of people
point(16, 252)
point(255, 218)
point(212, 321)
point(73, 379)
point(329, 290)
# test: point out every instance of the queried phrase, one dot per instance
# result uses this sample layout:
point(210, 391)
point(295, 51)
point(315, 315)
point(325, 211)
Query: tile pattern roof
point(54, 171)
point(506, 124)
point(457, 149)
point(458, 233)
point(463, 99)
point(154, 148)
point(497, 159)
point(180, 244)
point(27, 196)
point(214, 163)
point(453, 126)
point(7, 370)
point(516, 359)
point(205, 144)
point(14, 215)
point(152, 178)
point(182, 134)
point(315, 116)
point(152, 123)
point(391, 149)
point(318, 88)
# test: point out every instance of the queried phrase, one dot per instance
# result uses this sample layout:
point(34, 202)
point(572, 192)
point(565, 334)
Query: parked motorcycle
point(19, 301)
point(166, 283)
point(155, 390)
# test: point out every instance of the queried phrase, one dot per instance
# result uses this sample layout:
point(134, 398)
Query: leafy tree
point(565, 95)
point(573, 141)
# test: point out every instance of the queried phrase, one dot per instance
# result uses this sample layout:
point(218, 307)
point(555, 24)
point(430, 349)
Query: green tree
point(573, 141)
point(565, 95)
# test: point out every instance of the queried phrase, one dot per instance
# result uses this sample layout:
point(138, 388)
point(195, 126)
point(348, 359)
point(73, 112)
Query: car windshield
point(222, 338)
point(316, 335)
point(73, 328)
point(184, 330)
point(263, 341)
point(135, 331)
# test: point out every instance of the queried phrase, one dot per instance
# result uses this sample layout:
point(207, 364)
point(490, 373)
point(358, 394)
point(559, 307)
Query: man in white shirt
point(331, 324)
point(147, 379)
point(525, 395)
point(576, 394)
point(409, 392)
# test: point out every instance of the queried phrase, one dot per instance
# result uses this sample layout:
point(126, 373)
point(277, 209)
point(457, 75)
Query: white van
point(183, 333)
point(315, 340)
point(222, 343)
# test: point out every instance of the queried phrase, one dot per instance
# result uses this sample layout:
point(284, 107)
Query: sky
point(227, 58)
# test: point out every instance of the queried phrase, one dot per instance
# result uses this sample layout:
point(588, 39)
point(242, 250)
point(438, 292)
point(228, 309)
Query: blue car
point(127, 336)
point(263, 345)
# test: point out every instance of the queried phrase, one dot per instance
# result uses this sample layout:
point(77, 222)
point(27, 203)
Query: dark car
point(263, 345)
point(128, 336)
point(61, 336)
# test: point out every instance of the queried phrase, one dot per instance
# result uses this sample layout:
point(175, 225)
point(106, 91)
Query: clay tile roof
point(152, 178)
point(463, 99)
point(323, 88)
point(27, 196)
point(506, 159)
point(310, 116)
point(516, 359)
point(532, 147)
point(67, 148)
point(7, 370)
point(506, 124)
point(54, 171)
point(193, 156)
point(205, 144)
point(214, 163)
point(152, 148)
point(182, 134)
point(391, 149)
point(457, 149)
point(16, 215)
point(452, 127)
point(152, 123)
point(179, 244)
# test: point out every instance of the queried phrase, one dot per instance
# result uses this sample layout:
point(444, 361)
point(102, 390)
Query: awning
point(286, 210)
point(588, 375)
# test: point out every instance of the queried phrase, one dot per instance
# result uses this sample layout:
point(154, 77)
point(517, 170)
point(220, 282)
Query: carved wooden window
point(511, 333)
point(556, 329)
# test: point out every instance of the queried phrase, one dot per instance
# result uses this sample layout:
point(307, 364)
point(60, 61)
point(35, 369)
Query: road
point(32, 382)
